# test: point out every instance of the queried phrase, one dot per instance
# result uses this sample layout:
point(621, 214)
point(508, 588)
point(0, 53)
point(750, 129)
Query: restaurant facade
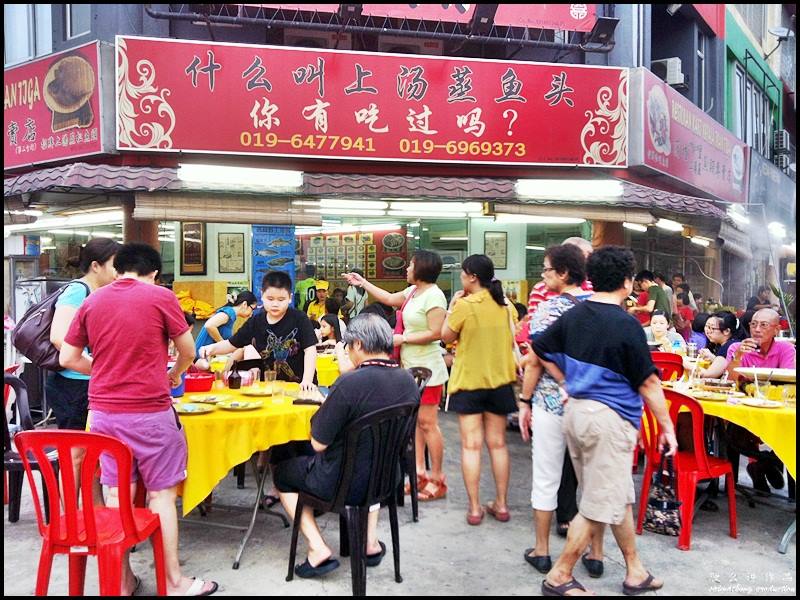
point(252, 150)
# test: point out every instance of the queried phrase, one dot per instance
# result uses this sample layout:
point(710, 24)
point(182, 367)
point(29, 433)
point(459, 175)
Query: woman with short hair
point(422, 308)
point(722, 330)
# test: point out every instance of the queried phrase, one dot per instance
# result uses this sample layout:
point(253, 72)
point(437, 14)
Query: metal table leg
point(790, 531)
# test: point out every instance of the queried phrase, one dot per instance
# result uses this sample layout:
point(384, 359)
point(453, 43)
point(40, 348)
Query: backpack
point(32, 334)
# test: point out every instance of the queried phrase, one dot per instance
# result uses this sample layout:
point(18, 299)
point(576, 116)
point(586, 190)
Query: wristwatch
point(524, 400)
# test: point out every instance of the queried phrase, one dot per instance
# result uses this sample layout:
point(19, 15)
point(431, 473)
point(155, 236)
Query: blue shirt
point(73, 297)
point(226, 331)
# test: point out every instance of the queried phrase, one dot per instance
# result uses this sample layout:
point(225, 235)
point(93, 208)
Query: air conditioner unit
point(310, 38)
point(780, 141)
point(669, 69)
point(781, 161)
point(402, 45)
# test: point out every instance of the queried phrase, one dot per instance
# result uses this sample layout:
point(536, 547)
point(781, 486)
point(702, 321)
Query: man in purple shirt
point(762, 350)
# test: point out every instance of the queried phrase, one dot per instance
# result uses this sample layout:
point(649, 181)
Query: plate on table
point(190, 408)
point(709, 396)
point(257, 390)
point(761, 403)
point(765, 373)
point(207, 398)
point(240, 404)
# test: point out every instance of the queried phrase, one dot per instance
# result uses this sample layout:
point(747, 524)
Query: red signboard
point(714, 16)
point(378, 254)
point(242, 99)
point(51, 109)
point(572, 17)
point(682, 141)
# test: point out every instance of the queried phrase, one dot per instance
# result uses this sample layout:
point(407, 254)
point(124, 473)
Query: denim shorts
point(69, 399)
point(157, 442)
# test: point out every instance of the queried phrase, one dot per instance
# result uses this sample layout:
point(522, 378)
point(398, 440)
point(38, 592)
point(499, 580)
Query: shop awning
point(79, 177)
point(735, 241)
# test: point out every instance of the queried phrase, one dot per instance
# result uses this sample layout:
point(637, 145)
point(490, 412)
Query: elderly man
point(377, 382)
point(759, 350)
point(762, 349)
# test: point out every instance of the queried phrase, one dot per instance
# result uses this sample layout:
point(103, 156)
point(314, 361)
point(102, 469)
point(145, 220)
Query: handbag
point(514, 346)
point(399, 326)
point(663, 514)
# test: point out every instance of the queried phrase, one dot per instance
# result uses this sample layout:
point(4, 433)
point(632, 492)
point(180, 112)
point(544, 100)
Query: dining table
point(225, 428)
point(775, 425)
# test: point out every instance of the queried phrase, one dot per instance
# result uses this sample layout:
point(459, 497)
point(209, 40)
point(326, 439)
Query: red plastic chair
point(690, 467)
point(83, 530)
point(668, 364)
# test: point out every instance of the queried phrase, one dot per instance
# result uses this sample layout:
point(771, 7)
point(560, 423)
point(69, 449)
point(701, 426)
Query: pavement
point(441, 555)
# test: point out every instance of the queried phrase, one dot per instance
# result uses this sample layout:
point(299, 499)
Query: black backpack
point(32, 333)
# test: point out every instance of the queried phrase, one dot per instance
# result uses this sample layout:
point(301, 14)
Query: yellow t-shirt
point(316, 310)
point(484, 357)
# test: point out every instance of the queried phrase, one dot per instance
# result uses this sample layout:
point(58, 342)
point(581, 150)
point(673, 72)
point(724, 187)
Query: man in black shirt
point(283, 335)
point(377, 382)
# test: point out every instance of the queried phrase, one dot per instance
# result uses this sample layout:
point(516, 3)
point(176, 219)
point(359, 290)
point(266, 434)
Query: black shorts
point(69, 400)
point(499, 401)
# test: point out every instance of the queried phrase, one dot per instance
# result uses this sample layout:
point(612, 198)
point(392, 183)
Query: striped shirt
point(542, 293)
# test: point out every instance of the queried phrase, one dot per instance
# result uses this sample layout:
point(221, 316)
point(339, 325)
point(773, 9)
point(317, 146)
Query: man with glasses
point(759, 350)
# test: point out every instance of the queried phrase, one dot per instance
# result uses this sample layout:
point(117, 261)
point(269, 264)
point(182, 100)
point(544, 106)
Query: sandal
point(422, 480)
point(641, 588)
point(440, 491)
point(501, 515)
point(476, 519)
point(562, 529)
point(549, 589)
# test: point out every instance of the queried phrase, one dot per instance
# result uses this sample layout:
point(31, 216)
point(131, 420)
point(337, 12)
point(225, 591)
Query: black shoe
point(759, 478)
point(774, 476)
point(541, 563)
point(562, 529)
point(593, 566)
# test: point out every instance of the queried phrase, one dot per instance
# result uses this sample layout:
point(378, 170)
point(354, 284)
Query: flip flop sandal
point(593, 566)
point(422, 480)
point(425, 496)
point(641, 588)
point(501, 515)
point(196, 589)
point(306, 571)
point(561, 590)
point(476, 519)
point(373, 560)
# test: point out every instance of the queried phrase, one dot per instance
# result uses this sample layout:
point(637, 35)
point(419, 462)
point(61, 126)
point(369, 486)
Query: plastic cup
point(691, 350)
point(177, 392)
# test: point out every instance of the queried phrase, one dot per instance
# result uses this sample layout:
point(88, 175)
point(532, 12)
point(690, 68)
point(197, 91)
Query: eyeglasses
point(709, 328)
point(760, 324)
point(547, 270)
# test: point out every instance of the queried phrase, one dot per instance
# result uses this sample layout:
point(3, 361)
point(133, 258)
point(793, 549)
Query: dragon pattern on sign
point(607, 121)
point(146, 98)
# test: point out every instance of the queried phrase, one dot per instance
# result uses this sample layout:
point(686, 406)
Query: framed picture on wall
point(230, 250)
point(193, 248)
point(495, 246)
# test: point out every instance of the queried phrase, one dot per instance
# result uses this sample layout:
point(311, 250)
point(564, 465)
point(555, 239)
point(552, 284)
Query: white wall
point(517, 237)
point(212, 260)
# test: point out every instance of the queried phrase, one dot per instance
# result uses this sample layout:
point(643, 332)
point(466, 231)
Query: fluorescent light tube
point(533, 219)
point(669, 225)
point(240, 176)
point(700, 241)
point(570, 189)
point(635, 227)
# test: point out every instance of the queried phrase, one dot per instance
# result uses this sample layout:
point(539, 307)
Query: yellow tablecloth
point(775, 426)
point(222, 439)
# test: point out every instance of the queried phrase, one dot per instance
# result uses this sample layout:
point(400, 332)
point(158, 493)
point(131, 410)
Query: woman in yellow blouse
point(480, 385)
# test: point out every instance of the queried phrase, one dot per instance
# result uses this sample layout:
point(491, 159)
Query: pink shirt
point(781, 355)
point(128, 325)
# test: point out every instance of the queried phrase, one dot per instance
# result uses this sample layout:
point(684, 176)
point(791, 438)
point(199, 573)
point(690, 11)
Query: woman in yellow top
point(480, 384)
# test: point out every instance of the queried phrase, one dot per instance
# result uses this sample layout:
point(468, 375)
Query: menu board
point(379, 254)
point(273, 250)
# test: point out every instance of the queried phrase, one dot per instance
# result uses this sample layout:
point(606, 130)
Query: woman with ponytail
point(484, 370)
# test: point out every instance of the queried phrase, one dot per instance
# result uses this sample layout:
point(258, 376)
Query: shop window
point(79, 19)
point(28, 32)
point(752, 110)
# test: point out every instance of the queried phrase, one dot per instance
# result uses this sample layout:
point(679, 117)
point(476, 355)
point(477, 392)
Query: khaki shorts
point(601, 446)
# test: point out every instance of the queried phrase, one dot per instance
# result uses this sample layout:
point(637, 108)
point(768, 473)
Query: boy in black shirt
point(283, 335)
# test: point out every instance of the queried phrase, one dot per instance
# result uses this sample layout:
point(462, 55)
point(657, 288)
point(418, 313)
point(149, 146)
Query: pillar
point(138, 231)
point(607, 233)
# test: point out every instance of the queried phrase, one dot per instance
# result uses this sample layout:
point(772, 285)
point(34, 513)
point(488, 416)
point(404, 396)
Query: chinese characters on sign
point(324, 103)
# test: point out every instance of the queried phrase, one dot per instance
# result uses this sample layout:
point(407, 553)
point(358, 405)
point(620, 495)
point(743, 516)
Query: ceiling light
point(368, 204)
point(533, 219)
point(454, 238)
point(107, 217)
point(27, 213)
point(437, 207)
point(570, 189)
point(701, 241)
point(669, 225)
point(240, 176)
point(354, 212)
point(48, 248)
point(635, 227)
point(434, 215)
point(103, 234)
point(538, 248)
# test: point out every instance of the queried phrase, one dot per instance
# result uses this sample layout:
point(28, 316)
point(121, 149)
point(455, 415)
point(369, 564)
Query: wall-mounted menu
point(379, 254)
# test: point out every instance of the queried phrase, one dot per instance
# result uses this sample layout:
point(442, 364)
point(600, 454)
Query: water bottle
point(676, 347)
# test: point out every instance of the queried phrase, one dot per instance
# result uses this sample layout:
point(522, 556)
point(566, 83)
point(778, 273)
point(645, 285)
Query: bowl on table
point(199, 382)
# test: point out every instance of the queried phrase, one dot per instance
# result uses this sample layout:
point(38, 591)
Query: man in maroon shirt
point(128, 326)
